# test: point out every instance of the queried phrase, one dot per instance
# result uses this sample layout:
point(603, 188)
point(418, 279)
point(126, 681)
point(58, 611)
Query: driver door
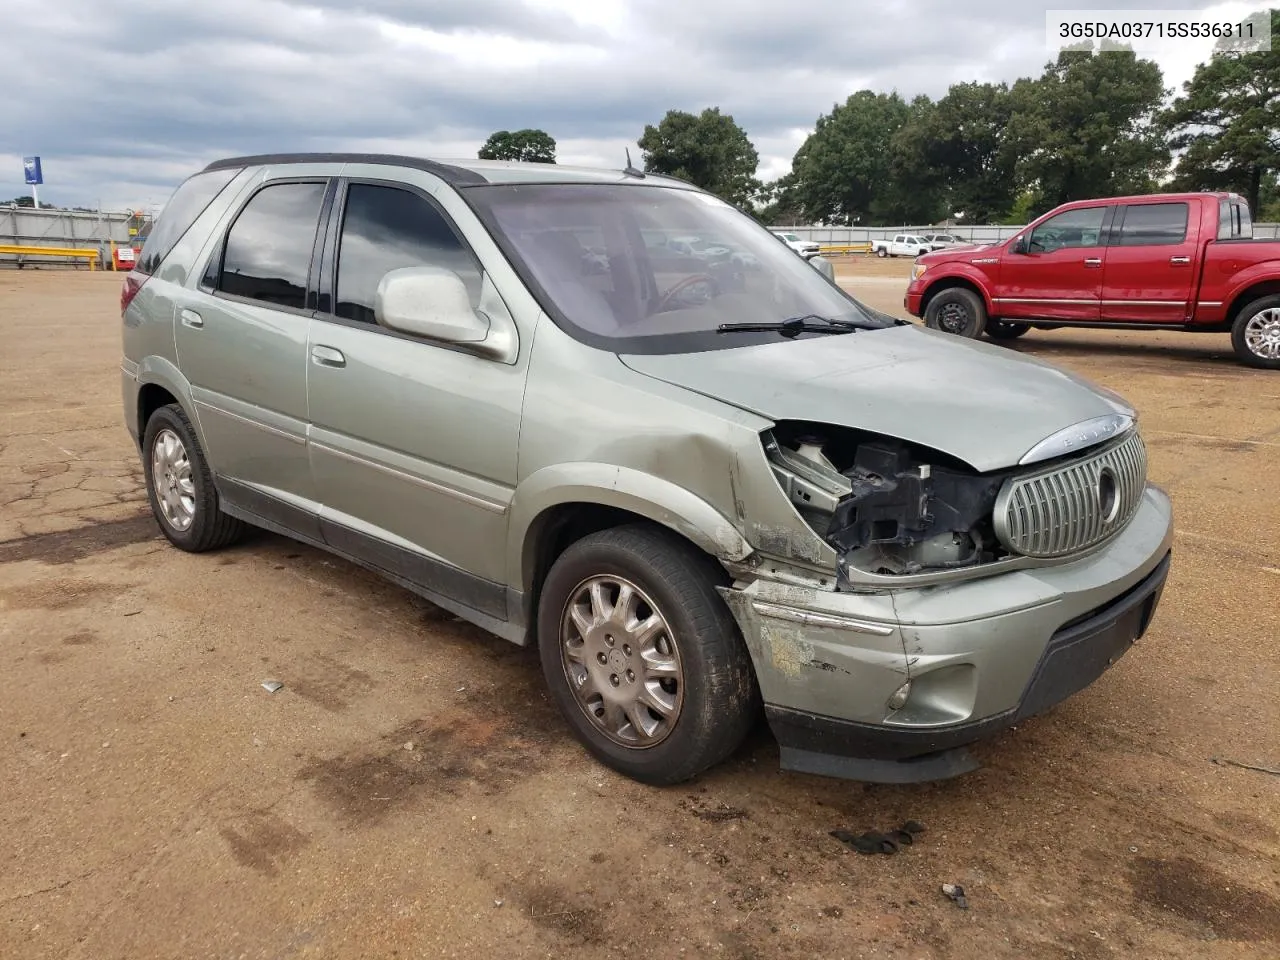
point(1054, 271)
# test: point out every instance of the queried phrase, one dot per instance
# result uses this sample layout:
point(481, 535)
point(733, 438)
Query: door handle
point(327, 356)
point(1176, 261)
point(1093, 261)
point(191, 319)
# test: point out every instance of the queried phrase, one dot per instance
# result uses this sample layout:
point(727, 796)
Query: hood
point(981, 403)
point(948, 254)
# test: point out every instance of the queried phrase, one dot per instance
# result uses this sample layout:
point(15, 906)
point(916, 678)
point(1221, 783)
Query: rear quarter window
point(182, 210)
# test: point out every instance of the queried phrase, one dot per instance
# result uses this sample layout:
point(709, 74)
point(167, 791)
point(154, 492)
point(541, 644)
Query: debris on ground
point(955, 893)
point(721, 815)
point(1228, 762)
point(409, 745)
point(271, 686)
point(876, 841)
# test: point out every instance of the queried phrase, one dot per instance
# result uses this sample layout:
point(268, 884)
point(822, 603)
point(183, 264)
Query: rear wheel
point(957, 311)
point(180, 485)
point(882, 252)
point(1006, 330)
point(1255, 334)
point(643, 657)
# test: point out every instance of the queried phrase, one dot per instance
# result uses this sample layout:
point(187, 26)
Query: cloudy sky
point(122, 101)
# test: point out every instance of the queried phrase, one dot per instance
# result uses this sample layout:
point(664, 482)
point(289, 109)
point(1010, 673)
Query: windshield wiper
point(794, 326)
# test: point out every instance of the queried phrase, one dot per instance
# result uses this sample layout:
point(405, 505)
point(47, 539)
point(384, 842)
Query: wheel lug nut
point(602, 658)
point(626, 648)
point(609, 640)
point(614, 679)
point(631, 677)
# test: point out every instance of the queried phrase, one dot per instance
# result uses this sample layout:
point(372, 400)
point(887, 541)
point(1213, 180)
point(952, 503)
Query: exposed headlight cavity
point(887, 507)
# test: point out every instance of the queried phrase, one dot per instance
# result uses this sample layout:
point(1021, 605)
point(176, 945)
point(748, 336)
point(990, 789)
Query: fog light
point(899, 698)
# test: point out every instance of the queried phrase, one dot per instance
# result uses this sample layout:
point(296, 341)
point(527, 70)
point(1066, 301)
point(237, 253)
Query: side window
point(1244, 221)
point(384, 229)
point(182, 210)
point(268, 250)
point(1069, 229)
point(1154, 224)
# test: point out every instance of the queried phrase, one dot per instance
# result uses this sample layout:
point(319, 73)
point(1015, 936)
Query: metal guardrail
point(843, 249)
point(22, 251)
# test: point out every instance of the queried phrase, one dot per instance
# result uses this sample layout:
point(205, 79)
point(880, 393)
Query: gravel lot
point(410, 791)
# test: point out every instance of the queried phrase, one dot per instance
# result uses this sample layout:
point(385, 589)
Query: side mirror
point(429, 302)
point(1019, 244)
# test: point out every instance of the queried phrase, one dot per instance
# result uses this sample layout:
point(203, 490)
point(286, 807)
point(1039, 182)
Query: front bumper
point(912, 299)
point(980, 655)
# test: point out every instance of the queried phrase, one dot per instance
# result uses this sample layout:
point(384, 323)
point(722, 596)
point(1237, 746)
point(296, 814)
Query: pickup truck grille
point(1071, 507)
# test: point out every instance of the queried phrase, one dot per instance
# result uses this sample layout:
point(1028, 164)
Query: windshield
point(634, 268)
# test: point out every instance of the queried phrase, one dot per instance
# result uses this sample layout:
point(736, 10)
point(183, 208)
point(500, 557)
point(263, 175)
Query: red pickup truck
point(1176, 261)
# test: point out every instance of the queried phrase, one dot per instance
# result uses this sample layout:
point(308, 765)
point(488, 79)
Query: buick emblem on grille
point(1062, 509)
point(1108, 496)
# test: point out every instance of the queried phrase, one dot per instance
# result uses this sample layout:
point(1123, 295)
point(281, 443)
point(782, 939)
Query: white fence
point(77, 229)
point(987, 233)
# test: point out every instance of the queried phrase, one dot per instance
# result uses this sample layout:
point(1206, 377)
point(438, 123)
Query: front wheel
point(1006, 330)
point(643, 657)
point(1255, 334)
point(957, 311)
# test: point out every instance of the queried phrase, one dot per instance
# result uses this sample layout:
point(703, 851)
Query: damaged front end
point(888, 508)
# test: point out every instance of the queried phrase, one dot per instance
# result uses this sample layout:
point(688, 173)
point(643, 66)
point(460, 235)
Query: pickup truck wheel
point(643, 657)
point(180, 485)
point(1255, 334)
point(882, 252)
point(1006, 330)
point(958, 311)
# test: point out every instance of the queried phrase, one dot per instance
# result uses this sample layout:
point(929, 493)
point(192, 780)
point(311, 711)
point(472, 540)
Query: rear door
point(242, 343)
point(1150, 262)
point(1055, 273)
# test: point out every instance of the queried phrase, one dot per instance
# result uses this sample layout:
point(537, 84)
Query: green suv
point(703, 491)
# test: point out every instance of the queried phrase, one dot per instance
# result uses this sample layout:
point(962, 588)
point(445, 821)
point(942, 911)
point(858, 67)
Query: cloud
point(121, 106)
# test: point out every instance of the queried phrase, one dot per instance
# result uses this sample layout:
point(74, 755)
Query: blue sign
point(31, 170)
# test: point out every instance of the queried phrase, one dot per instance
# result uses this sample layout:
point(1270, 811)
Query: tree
point(709, 150)
point(846, 163)
point(965, 142)
point(1227, 121)
point(915, 189)
point(775, 203)
point(25, 201)
point(1085, 128)
point(531, 146)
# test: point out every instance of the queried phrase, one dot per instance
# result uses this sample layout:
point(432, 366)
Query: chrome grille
point(1070, 507)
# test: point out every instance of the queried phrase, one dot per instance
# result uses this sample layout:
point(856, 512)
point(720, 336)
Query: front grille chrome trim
point(1060, 511)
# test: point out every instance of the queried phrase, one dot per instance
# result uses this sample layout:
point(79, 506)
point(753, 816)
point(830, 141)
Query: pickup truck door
point(1150, 264)
point(1054, 272)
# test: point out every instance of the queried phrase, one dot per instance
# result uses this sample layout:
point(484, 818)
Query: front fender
point(625, 488)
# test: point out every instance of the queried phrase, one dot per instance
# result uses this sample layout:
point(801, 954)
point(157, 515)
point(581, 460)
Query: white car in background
point(902, 245)
point(806, 248)
point(940, 240)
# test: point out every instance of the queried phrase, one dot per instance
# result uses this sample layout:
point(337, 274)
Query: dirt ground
point(410, 792)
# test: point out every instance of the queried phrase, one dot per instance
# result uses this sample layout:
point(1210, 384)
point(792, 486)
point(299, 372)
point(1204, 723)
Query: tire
point(1255, 333)
point(194, 522)
point(1005, 329)
point(703, 674)
point(882, 252)
point(958, 311)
